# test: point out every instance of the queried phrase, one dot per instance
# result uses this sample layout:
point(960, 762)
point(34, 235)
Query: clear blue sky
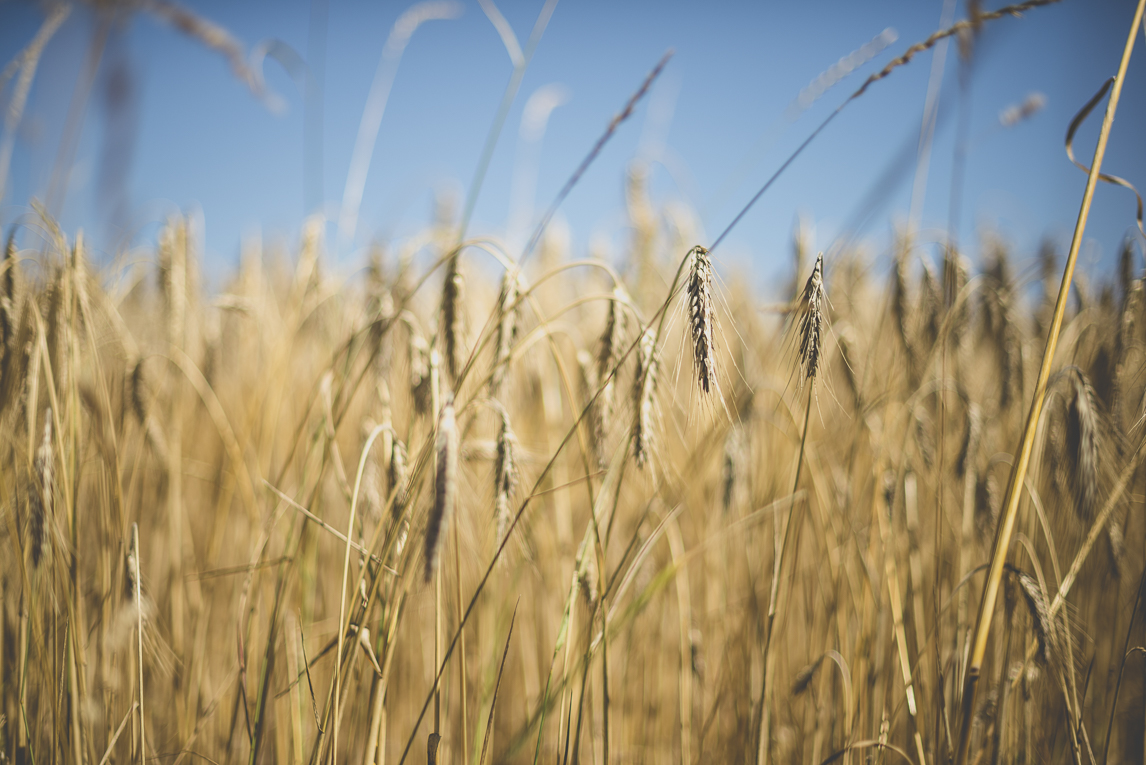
point(200, 140)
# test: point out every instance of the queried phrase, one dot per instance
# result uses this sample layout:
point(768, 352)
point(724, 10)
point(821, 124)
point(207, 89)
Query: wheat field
point(477, 507)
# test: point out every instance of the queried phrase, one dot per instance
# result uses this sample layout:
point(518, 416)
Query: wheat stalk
point(133, 569)
point(810, 327)
point(1019, 471)
point(343, 617)
point(445, 487)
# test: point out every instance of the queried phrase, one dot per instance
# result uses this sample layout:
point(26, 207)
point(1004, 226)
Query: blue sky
point(201, 141)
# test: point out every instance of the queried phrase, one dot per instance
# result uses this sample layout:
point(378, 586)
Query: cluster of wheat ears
point(584, 516)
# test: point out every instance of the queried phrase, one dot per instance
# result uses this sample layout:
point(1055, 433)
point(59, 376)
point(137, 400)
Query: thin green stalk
point(1019, 471)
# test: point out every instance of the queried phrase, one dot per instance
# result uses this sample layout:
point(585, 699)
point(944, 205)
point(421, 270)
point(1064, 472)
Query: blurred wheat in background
point(514, 506)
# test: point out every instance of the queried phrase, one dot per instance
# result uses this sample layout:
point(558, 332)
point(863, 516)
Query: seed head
point(612, 338)
point(930, 306)
point(382, 311)
point(445, 486)
point(702, 318)
point(972, 435)
point(452, 316)
point(733, 456)
point(140, 395)
point(42, 496)
point(371, 480)
point(899, 299)
point(804, 677)
point(1039, 613)
point(505, 479)
point(954, 280)
point(131, 585)
point(1083, 440)
point(811, 325)
point(644, 386)
point(506, 329)
point(8, 290)
point(420, 379)
point(587, 379)
point(399, 477)
point(848, 361)
point(988, 504)
point(1027, 108)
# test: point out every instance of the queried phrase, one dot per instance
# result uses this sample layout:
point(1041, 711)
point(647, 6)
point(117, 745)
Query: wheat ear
point(445, 487)
point(702, 318)
point(644, 387)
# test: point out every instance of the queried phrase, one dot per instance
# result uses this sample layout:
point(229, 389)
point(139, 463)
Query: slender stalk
point(1122, 667)
point(342, 616)
point(435, 409)
point(762, 745)
point(462, 648)
point(77, 107)
point(371, 121)
point(118, 731)
point(891, 575)
point(604, 684)
point(29, 60)
point(625, 113)
point(295, 697)
point(73, 690)
point(139, 637)
point(22, 724)
point(438, 651)
point(1019, 471)
point(520, 65)
point(376, 706)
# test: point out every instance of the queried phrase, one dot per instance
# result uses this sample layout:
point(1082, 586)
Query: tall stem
point(139, 638)
point(762, 746)
point(1019, 472)
point(438, 650)
point(462, 651)
point(435, 409)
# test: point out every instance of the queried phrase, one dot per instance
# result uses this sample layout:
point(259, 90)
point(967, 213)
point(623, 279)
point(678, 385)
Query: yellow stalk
point(1019, 471)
